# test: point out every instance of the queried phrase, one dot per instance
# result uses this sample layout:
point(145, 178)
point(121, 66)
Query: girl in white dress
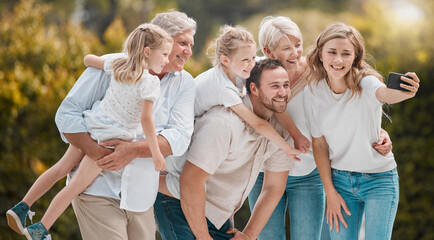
point(343, 108)
point(224, 83)
point(126, 107)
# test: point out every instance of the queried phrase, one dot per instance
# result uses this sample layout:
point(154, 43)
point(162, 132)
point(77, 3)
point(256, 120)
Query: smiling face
point(274, 89)
point(337, 56)
point(240, 63)
point(181, 51)
point(288, 50)
point(159, 57)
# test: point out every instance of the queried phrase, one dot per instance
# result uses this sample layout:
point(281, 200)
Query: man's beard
point(272, 105)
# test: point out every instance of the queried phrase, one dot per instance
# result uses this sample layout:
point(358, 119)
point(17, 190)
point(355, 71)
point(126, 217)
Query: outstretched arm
point(391, 96)
point(265, 129)
point(300, 141)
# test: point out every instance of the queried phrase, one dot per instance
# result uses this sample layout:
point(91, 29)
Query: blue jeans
point(304, 196)
point(375, 194)
point(172, 224)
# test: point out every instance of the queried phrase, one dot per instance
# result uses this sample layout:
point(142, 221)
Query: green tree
point(39, 64)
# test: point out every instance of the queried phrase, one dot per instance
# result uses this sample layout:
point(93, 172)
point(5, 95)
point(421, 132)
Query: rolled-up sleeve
point(90, 87)
point(181, 117)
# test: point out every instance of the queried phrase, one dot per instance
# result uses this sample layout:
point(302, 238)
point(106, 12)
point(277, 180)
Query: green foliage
point(115, 36)
point(40, 63)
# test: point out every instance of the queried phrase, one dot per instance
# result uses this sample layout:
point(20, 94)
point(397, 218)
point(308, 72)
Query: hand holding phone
point(394, 80)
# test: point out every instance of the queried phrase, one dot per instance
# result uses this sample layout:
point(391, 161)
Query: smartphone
point(394, 79)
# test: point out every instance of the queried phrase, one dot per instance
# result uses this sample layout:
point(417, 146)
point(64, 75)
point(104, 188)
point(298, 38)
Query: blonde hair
point(229, 41)
point(131, 68)
point(358, 70)
point(272, 29)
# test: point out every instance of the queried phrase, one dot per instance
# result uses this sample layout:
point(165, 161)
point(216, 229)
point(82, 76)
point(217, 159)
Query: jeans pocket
point(335, 172)
point(381, 175)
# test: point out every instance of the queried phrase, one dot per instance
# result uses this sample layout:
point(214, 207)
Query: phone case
point(394, 79)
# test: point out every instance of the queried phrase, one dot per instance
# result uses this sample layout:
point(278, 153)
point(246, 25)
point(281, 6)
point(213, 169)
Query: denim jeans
point(172, 224)
point(375, 194)
point(304, 196)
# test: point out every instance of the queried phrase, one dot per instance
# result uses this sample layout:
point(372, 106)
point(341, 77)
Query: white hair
point(174, 22)
point(272, 29)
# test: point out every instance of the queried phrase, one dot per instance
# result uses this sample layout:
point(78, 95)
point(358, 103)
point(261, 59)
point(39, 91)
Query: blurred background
point(42, 45)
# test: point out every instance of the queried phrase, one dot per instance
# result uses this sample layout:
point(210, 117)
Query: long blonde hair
point(131, 68)
point(358, 70)
point(229, 41)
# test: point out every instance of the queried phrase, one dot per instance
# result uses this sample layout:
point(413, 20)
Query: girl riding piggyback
point(127, 106)
point(235, 52)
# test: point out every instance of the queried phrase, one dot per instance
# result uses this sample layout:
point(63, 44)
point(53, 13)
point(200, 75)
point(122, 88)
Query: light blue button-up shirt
point(173, 117)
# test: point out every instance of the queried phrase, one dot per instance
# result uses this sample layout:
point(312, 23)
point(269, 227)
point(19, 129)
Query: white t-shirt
point(295, 109)
point(214, 88)
point(350, 126)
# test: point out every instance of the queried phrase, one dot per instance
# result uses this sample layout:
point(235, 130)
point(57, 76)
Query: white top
point(350, 127)
point(214, 88)
point(233, 153)
point(173, 118)
point(123, 101)
point(295, 109)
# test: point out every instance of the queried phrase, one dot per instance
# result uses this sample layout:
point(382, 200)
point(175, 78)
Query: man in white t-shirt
point(202, 190)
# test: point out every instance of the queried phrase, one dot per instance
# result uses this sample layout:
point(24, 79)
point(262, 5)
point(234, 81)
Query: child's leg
point(44, 182)
point(86, 173)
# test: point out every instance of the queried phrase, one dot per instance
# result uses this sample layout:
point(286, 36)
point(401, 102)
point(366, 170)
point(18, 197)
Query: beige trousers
point(100, 218)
